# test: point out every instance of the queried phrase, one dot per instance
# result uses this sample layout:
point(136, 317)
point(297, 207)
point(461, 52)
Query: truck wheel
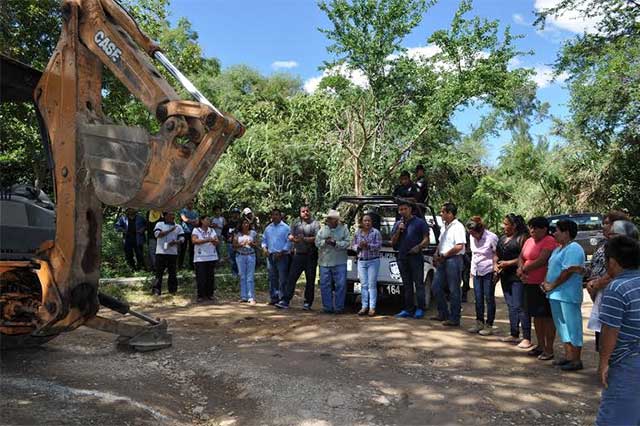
point(427, 289)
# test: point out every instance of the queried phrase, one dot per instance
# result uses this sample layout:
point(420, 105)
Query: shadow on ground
point(232, 363)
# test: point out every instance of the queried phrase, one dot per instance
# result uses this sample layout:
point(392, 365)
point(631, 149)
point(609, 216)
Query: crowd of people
point(541, 274)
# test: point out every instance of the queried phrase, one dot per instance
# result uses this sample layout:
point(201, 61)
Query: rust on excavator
point(97, 162)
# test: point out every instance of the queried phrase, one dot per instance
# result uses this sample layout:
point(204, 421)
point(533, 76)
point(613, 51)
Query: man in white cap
point(247, 213)
point(332, 241)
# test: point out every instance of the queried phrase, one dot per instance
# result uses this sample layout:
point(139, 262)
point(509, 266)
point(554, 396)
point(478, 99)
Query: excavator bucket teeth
point(151, 339)
point(117, 157)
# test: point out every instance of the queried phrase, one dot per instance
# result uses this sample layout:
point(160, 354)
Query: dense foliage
point(348, 138)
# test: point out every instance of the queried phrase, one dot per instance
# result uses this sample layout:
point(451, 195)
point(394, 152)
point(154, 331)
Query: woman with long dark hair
point(506, 265)
point(245, 242)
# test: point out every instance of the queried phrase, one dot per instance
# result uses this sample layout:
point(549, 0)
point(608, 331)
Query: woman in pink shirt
point(532, 269)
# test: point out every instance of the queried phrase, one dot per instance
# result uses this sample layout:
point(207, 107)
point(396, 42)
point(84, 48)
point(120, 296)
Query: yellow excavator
point(53, 288)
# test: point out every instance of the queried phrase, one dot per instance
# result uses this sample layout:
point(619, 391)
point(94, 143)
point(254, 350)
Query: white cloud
point(544, 77)
point(311, 85)
point(514, 63)
point(422, 52)
point(518, 19)
point(572, 20)
point(355, 76)
point(284, 65)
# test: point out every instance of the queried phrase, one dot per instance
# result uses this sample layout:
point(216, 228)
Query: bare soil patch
point(234, 364)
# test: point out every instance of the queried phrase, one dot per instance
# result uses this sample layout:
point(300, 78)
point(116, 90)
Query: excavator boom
point(97, 162)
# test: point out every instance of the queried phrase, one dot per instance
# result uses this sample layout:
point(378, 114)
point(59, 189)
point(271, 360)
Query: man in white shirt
point(217, 221)
point(449, 265)
point(168, 236)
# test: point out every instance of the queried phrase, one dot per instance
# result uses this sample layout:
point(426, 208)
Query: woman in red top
point(532, 269)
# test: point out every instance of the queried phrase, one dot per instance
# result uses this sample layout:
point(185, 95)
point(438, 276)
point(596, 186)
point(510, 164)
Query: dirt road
point(233, 364)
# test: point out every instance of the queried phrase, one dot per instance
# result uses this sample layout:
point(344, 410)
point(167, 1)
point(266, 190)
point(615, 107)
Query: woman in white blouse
point(205, 240)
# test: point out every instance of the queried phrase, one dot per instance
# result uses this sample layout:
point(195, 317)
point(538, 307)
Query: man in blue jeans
point(410, 235)
point(449, 265)
point(276, 245)
point(619, 367)
point(332, 241)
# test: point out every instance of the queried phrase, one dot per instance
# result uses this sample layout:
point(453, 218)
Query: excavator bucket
point(117, 157)
point(150, 339)
point(129, 167)
point(141, 338)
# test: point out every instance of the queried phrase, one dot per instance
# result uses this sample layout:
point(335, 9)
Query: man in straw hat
point(332, 241)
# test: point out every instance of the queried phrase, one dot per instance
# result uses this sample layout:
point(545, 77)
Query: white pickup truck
point(384, 210)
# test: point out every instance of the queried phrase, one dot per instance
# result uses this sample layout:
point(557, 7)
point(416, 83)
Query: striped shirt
point(621, 310)
point(374, 242)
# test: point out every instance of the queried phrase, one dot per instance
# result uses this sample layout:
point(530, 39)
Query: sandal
point(535, 351)
point(372, 312)
point(545, 357)
point(523, 345)
point(510, 339)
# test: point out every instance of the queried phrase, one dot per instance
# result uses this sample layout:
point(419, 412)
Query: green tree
point(603, 132)
point(281, 160)
point(29, 32)
point(405, 110)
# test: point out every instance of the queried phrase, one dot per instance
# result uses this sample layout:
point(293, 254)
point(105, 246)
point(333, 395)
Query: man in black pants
point(410, 235)
point(168, 236)
point(132, 226)
point(305, 256)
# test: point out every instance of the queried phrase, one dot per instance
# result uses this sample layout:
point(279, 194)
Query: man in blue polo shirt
point(276, 245)
point(410, 235)
point(620, 339)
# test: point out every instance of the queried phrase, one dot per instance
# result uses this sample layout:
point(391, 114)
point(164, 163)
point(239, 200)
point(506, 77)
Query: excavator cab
point(95, 162)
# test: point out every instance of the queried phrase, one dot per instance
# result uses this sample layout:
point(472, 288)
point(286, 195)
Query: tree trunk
point(357, 177)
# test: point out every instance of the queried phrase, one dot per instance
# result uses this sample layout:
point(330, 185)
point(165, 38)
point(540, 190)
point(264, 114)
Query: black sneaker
point(572, 366)
point(282, 305)
point(560, 362)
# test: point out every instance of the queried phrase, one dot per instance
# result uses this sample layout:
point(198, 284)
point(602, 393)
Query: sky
point(282, 36)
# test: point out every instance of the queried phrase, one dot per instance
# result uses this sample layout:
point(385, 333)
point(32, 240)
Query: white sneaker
point(487, 331)
point(476, 328)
